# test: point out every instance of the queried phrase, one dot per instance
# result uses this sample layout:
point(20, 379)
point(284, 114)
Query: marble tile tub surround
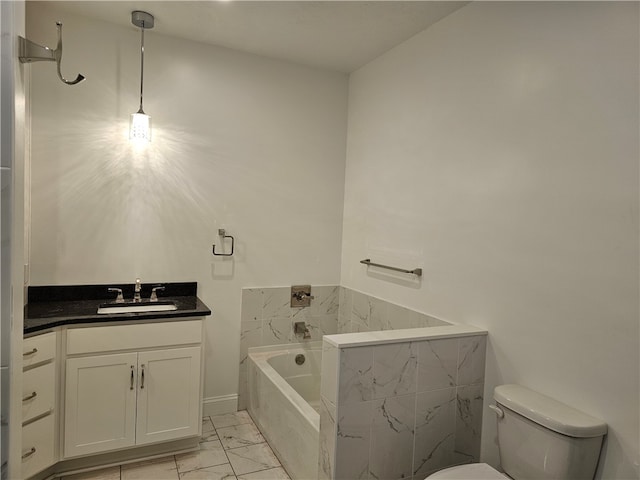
point(401, 409)
point(267, 319)
point(359, 312)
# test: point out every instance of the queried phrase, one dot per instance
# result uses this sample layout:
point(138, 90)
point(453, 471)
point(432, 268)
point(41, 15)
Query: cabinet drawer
point(128, 337)
point(38, 349)
point(37, 446)
point(38, 391)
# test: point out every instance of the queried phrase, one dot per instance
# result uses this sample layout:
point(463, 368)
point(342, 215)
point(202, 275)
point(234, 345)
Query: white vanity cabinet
point(38, 403)
point(131, 385)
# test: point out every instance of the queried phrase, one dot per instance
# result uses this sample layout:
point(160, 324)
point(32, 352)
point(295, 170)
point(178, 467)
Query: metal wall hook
point(223, 234)
point(32, 52)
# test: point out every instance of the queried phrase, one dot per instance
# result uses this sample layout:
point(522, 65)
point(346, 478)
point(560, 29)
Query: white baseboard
point(219, 405)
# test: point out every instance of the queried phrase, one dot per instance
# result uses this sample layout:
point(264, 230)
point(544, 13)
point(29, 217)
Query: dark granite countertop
point(53, 306)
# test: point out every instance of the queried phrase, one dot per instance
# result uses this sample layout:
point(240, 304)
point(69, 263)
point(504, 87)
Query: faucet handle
point(119, 298)
point(300, 296)
point(154, 295)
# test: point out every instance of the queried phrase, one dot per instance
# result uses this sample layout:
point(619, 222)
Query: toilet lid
point(472, 471)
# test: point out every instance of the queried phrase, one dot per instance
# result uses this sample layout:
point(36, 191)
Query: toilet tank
point(541, 438)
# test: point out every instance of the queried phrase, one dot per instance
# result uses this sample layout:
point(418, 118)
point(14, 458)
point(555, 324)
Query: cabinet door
point(100, 403)
point(168, 394)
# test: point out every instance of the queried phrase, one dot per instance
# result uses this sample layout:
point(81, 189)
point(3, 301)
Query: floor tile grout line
point(175, 461)
point(215, 429)
point(230, 464)
point(225, 451)
point(251, 422)
point(244, 446)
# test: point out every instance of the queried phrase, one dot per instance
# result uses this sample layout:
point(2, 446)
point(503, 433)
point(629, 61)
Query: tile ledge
point(346, 340)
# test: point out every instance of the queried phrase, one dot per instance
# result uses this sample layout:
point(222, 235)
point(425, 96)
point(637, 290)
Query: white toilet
point(539, 438)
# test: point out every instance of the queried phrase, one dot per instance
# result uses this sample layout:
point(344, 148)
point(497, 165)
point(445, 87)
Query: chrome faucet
point(154, 294)
point(119, 298)
point(136, 294)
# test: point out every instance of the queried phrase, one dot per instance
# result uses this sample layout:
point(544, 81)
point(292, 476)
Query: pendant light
point(140, 127)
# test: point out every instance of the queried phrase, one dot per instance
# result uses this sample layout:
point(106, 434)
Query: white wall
point(498, 150)
point(240, 142)
point(14, 130)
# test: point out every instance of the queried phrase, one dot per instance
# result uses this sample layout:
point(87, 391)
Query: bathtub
point(283, 400)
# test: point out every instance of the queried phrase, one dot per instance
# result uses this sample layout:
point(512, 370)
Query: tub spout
point(301, 328)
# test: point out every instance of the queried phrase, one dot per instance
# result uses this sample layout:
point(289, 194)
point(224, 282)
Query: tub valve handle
point(300, 296)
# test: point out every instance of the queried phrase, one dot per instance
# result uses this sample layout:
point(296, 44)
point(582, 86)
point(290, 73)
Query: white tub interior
point(304, 378)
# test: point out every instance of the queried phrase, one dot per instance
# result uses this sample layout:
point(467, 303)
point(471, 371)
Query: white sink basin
point(111, 308)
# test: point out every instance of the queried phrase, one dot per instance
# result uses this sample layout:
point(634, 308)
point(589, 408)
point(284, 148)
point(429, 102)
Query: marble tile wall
point(328, 400)
point(267, 319)
point(402, 410)
point(359, 312)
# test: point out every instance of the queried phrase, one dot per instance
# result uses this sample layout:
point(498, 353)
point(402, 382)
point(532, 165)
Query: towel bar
point(416, 271)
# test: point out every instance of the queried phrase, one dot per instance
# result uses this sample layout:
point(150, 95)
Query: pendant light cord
point(141, 65)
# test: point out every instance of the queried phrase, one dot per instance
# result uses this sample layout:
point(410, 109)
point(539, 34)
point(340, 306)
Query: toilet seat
point(472, 471)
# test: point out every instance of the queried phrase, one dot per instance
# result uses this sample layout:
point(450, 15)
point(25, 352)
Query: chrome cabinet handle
point(131, 387)
point(29, 397)
point(142, 382)
point(26, 354)
point(29, 453)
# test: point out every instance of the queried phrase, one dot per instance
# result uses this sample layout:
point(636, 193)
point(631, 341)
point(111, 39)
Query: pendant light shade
point(140, 125)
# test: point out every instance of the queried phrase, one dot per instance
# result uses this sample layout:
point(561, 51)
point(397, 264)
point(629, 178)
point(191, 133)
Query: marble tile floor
point(231, 448)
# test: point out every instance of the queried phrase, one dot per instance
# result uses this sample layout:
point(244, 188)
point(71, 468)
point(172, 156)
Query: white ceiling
point(335, 35)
